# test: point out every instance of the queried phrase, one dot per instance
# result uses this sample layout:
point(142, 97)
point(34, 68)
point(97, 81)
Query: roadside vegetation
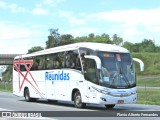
point(148, 81)
point(5, 86)
point(149, 96)
point(151, 62)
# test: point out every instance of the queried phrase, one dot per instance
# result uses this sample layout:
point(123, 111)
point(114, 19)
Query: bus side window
point(57, 64)
point(42, 64)
point(49, 63)
point(68, 61)
point(72, 60)
point(35, 64)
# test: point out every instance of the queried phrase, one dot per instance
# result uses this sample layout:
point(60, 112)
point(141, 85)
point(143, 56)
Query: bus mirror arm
point(140, 62)
point(97, 59)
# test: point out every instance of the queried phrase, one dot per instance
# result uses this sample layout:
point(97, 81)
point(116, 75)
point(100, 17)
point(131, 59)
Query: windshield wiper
point(125, 78)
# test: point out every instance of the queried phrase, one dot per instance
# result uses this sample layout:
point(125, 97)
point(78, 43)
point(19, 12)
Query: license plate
point(120, 102)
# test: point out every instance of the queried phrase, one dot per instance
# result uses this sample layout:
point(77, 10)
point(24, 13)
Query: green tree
point(35, 49)
point(106, 38)
point(136, 47)
point(129, 46)
point(91, 35)
point(81, 39)
point(66, 39)
point(53, 38)
point(117, 40)
point(157, 48)
point(147, 45)
point(7, 74)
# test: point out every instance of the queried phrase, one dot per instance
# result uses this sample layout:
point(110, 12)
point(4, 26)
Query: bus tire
point(27, 96)
point(78, 100)
point(110, 106)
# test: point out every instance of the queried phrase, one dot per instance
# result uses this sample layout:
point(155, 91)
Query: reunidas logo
point(60, 75)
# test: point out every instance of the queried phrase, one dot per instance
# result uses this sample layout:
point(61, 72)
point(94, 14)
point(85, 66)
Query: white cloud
point(135, 16)
point(134, 25)
point(17, 39)
point(132, 32)
point(51, 3)
point(71, 18)
point(40, 11)
point(14, 8)
point(3, 4)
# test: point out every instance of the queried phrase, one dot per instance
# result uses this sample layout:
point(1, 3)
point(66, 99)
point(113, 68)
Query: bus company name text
point(60, 75)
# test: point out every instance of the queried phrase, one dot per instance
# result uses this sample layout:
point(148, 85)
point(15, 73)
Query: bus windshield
point(117, 70)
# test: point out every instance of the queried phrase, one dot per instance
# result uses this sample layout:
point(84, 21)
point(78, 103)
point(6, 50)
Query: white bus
point(81, 72)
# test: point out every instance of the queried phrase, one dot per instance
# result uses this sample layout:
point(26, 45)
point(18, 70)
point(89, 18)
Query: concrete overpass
point(7, 59)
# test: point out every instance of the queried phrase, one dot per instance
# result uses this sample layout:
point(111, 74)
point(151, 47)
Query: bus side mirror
point(140, 62)
point(97, 59)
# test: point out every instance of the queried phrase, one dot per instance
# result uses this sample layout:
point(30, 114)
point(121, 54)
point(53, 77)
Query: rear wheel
point(109, 106)
point(27, 96)
point(78, 100)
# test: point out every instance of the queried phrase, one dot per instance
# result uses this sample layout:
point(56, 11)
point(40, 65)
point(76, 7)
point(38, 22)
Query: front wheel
point(110, 106)
point(27, 96)
point(78, 100)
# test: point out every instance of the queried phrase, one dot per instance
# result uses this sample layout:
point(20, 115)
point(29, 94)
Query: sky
point(26, 23)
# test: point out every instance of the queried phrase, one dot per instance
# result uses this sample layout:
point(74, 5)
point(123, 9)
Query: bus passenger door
point(90, 74)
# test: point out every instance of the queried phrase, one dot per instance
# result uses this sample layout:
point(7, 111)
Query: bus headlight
point(100, 90)
point(133, 92)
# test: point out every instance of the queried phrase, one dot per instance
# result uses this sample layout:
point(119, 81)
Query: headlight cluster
point(114, 94)
point(133, 92)
point(101, 91)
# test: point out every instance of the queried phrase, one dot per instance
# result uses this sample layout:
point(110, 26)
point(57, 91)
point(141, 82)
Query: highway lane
point(10, 102)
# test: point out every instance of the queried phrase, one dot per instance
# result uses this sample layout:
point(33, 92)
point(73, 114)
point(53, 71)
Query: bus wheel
point(27, 96)
point(78, 100)
point(110, 106)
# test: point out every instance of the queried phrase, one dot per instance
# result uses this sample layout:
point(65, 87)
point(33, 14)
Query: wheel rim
point(27, 95)
point(78, 100)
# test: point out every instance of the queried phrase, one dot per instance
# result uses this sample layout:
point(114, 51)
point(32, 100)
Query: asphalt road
point(9, 102)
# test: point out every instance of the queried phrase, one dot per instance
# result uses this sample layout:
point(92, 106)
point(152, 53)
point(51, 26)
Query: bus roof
point(91, 45)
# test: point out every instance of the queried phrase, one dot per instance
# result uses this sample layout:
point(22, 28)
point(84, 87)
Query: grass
point(5, 87)
point(146, 95)
point(149, 96)
point(150, 81)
